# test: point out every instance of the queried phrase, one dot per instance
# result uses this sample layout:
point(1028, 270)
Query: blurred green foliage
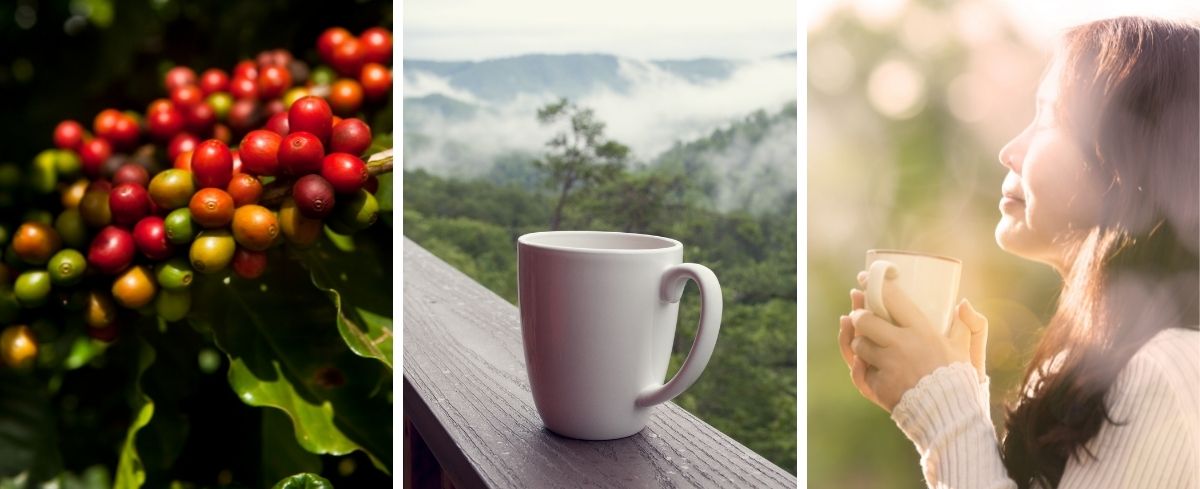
point(906, 115)
point(748, 388)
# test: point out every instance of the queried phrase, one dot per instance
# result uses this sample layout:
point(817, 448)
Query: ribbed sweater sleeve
point(1154, 444)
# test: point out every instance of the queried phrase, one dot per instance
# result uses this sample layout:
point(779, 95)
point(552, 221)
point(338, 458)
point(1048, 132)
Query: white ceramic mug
point(931, 282)
point(598, 313)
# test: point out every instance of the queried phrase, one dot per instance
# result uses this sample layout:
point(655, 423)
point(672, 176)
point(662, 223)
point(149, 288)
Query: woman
point(1101, 186)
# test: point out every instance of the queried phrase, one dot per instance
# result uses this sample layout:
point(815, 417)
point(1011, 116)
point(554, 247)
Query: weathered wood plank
point(467, 393)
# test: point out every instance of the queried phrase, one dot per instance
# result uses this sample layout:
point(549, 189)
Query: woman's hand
point(886, 359)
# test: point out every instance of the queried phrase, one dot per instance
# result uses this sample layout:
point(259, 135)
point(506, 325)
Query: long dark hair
point(1130, 98)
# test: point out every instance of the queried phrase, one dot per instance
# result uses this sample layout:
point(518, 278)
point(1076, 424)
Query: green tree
point(579, 157)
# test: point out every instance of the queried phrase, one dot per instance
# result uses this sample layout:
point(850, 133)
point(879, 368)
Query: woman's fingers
point(868, 351)
point(857, 299)
point(978, 325)
point(871, 326)
point(858, 375)
point(904, 312)
point(845, 334)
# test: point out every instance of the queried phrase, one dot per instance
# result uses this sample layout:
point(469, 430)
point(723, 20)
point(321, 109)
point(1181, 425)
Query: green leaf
point(28, 439)
point(281, 455)
point(283, 353)
point(360, 286)
point(130, 471)
point(304, 481)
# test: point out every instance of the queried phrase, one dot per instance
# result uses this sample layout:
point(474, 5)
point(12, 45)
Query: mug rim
point(884, 251)
point(527, 240)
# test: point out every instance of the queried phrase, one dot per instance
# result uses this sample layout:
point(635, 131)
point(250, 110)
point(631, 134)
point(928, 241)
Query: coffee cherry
point(66, 267)
point(329, 40)
point(213, 80)
point(212, 251)
point(174, 274)
point(67, 164)
point(244, 116)
point(255, 227)
point(104, 123)
point(73, 193)
point(345, 96)
point(246, 69)
point(199, 118)
point(295, 93)
point(128, 202)
point(184, 162)
point(179, 227)
point(212, 165)
point(179, 77)
point(124, 133)
point(297, 229)
point(131, 173)
point(93, 155)
point(32, 287)
point(243, 88)
point(376, 81)
point(164, 124)
point(348, 57)
point(300, 153)
point(150, 236)
point(18, 347)
point(221, 103)
point(36, 242)
point(372, 184)
point(346, 173)
point(212, 208)
point(94, 207)
point(311, 114)
point(377, 45)
point(273, 81)
point(135, 288)
point(100, 311)
point(185, 97)
point(323, 76)
point(237, 161)
point(181, 143)
point(108, 334)
point(260, 152)
point(111, 250)
point(172, 189)
point(249, 264)
point(355, 213)
point(351, 136)
point(71, 228)
point(314, 196)
point(68, 134)
point(173, 305)
point(245, 190)
point(278, 124)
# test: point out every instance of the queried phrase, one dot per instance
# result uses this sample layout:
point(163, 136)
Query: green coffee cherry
point(355, 214)
point(66, 267)
point(43, 174)
point(180, 228)
point(173, 305)
point(174, 274)
point(94, 209)
point(220, 102)
point(212, 250)
point(67, 164)
point(32, 287)
point(71, 229)
point(322, 76)
point(172, 188)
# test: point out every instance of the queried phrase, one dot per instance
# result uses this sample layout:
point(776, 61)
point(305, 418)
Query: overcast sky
point(645, 29)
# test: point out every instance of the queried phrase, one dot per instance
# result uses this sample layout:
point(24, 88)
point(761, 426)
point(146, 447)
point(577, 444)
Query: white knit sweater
point(946, 415)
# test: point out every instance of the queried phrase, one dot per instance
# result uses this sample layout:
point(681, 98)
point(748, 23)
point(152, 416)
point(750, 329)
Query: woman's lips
point(1010, 203)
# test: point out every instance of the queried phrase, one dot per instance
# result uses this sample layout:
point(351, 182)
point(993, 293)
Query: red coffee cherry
point(184, 161)
point(372, 184)
point(300, 153)
point(131, 173)
point(129, 203)
point(213, 80)
point(376, 81)
point(237, 161)
point(244, 115)
point(185, 97)
point(348, 57)
point(377, 45)
point(243, 88)
point(181, 143)
point(278, 124)
point(68, 134)
point(329, 40)
point(199, 118)
point(212, 165)
point(124, 132)
point(346, 173)
point(273, 81)
point(212, 208)
point(164, 123)
point(103, 124)
point(351, 136)
point(260, 152)
point(246, 69)
point(111, 250)
point(249, 264)
point(179, 77)
point(93, 154)
point(314, 196)
point(345, 96)
point(159, 104)
point(150, 236)
point(311, 114)
point(245, 189)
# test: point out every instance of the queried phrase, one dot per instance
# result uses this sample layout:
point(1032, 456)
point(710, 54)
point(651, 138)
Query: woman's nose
point(1013, 153)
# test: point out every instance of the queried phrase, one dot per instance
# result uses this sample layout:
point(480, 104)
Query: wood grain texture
point(467, 393)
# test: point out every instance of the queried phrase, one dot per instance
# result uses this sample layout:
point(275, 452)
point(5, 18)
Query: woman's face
point(1049, 195)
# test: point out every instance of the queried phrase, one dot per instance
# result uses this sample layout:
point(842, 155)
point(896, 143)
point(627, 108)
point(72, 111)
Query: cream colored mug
point(930, 281)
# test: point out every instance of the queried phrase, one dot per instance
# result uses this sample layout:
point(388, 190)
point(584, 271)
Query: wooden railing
point(470, 421)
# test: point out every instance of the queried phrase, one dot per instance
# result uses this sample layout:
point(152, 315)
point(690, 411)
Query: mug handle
point(880, 271)
point(671, 290)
